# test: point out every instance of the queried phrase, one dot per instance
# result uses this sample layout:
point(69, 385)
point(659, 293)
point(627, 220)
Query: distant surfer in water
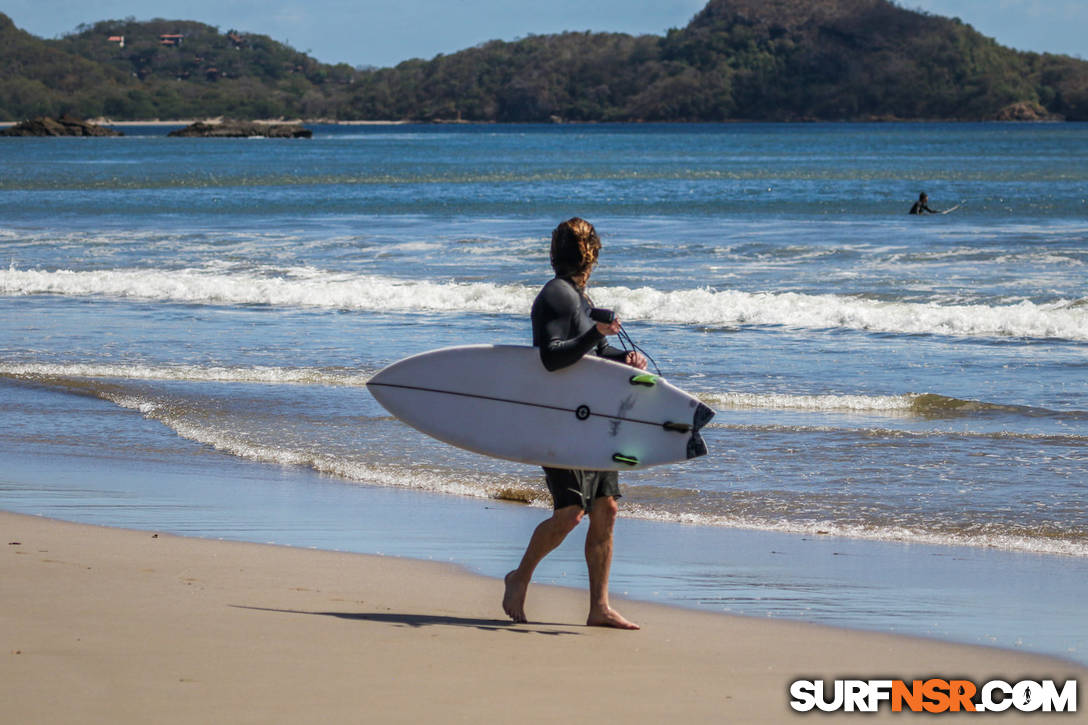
point(922, 206)
point(564, 332)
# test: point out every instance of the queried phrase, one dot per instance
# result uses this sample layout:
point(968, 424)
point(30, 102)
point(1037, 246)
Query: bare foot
point(610, 618)
point(513, 601)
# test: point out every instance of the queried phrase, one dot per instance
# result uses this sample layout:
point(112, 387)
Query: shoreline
point(220, 119)
point(454, 122)
point(128, 625)
point(268, 121)
point(974, 596)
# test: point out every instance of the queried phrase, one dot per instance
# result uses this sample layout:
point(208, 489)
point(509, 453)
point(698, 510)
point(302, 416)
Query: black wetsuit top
point(919, 207)
point(562, 328)
point(564, 332)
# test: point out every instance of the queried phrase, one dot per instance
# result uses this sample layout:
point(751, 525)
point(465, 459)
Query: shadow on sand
point(427, 620)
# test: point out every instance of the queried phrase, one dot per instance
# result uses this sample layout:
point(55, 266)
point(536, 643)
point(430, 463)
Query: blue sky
point(385, 32)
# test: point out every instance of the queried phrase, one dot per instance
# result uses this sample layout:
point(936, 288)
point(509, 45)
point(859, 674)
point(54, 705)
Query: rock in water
point(63, 126)
point(1025, 111)
point(243, 129)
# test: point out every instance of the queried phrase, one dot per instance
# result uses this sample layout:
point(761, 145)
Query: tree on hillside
point(737, 59)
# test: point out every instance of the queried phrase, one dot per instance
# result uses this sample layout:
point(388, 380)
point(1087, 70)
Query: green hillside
point(205, 73)
point(859, 58)
point(209, 72)
point(38, 79)
point(737, 59)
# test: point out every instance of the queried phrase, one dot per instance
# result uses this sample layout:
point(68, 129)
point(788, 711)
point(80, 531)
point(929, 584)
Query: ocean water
point(919, 381)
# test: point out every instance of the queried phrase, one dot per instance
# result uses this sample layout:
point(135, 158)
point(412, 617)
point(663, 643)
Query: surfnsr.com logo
point(933, 695)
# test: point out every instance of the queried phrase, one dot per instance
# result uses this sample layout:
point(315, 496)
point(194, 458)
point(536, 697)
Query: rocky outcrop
point(242, 129)
point(1025, 111)
point(63, 126)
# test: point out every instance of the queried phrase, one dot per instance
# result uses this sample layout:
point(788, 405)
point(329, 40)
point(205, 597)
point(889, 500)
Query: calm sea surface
point(877, 375)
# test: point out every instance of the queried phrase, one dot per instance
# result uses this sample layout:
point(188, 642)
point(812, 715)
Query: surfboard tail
point(696, 445)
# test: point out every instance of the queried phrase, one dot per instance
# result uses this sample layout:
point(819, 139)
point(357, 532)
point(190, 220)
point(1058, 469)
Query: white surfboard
point(500, 401)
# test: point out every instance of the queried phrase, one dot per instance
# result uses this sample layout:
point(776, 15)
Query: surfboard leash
point(601, 314)
point(625, 340)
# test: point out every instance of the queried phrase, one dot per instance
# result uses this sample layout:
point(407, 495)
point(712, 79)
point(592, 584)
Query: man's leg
point(602, 518)
point(548, 535)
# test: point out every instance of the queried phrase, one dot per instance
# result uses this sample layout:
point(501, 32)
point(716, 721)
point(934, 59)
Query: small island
point(242, 129)
point(63, 126)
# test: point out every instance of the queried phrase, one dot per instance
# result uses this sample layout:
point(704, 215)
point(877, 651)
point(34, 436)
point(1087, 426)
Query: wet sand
point(108, 625)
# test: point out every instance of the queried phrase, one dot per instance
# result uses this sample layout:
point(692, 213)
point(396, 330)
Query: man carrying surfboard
point(564, 332)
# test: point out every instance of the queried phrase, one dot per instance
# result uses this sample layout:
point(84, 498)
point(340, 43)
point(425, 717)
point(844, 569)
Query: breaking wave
point(928, 405)
point(189, 373)
point(919, 404)
point(309, 287)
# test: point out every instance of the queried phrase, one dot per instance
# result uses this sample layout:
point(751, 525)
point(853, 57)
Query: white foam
point(909, 404)
point(309, 287)
point(259, 374)
point(487, 486)
point(907, 535)
point(294, 287)
point(345, 377)
point(774, 401)
point(709, 307)
point(904, 433)
point(235, 444)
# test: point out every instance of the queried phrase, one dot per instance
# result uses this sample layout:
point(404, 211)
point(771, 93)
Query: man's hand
point(609, 328)
point(634, 358)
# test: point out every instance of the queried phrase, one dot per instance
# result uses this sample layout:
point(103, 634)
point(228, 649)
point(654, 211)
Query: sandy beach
point(115, 626)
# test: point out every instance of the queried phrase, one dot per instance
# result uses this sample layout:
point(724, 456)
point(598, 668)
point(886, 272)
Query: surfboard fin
point(629, 460)
point(644, 379)
point(702, 416)
point(696, 445)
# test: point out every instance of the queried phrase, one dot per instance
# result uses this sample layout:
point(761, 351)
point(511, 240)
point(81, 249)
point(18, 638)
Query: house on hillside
point(170, 39)
point(119, 39)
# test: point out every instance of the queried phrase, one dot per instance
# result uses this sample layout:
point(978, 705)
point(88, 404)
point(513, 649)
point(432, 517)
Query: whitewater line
point(306, 287)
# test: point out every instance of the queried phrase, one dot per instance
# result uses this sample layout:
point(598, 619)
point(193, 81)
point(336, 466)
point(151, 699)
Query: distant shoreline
point(330, 122)
point(187, 122)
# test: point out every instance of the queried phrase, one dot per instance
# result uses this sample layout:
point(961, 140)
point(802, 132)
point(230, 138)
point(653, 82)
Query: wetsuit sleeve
point(554, 314)
point(612, 353)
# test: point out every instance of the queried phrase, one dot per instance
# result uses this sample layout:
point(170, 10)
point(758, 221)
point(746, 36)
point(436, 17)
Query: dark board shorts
point(580, 488)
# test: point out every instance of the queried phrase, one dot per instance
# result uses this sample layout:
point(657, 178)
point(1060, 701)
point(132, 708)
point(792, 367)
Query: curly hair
point(575, 247)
